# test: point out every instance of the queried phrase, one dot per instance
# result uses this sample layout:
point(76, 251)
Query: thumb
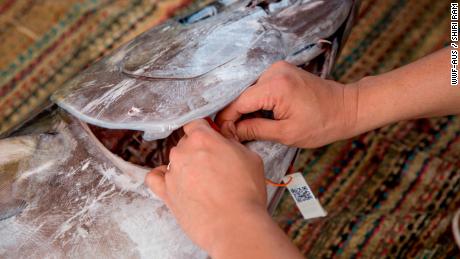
point(259, 129)
point(255, 98)
point(155, 180)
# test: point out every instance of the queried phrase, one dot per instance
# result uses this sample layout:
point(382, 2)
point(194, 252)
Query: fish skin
point(71, 198)
point(11, 209)
point(176, 72)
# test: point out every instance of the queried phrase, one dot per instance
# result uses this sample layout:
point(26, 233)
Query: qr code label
point(301, 194)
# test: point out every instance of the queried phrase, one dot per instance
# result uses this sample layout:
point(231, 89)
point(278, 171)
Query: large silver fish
point(71, 182)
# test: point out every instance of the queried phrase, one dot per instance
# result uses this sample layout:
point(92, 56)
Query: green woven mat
point(389, 193)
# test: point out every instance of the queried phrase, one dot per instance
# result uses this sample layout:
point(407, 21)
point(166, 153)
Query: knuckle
point(200, 122)
point(273, 86)
point(194, 124)
point(284, 82)
point(199, 137)
point(281, 65)
point(283, 78)
point(251, 132)
point(290, 86)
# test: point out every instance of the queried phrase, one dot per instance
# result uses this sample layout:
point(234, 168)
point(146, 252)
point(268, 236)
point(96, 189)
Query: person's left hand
point(211, 183)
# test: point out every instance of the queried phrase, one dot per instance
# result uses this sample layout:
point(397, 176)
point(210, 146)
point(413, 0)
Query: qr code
point(301, 194)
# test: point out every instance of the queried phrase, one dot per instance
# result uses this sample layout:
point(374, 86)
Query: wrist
point(376, 105)
point(350, 108)
point(237, 233)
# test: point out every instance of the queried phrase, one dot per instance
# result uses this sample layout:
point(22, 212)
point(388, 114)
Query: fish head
point(176, 72)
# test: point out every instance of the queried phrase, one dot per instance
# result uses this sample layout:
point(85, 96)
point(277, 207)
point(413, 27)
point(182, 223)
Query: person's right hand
point(308, 111)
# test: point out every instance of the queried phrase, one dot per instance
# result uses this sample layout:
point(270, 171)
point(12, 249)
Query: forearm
point(252, 236)
point(418, 90)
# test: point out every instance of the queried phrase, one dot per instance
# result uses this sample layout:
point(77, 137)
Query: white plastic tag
point(308, 205)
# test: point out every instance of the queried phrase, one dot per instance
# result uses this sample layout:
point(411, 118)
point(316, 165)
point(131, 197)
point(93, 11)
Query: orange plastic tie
point(270, 182)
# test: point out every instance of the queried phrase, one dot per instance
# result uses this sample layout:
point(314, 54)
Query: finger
point(277, 68)
point(228, 130)
point(177, 156)
point(181, 141)
point(199, 124)
point(253, 99)
point(155, 180)
point(259, 129)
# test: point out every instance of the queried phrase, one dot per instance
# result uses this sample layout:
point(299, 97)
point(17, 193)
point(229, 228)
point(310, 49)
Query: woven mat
point(389, 193)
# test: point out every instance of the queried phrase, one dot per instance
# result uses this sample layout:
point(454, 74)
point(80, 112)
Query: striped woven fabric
point(389, 193)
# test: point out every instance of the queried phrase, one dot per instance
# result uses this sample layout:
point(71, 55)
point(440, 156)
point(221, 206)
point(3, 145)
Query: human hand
point(212, 183)
point(308, 111)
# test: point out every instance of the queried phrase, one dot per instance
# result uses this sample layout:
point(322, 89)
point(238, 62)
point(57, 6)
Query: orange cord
point(290, 171)
point(270, 182)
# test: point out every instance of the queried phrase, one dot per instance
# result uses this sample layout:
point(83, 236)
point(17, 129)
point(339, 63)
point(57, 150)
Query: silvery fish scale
point(64, 194)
